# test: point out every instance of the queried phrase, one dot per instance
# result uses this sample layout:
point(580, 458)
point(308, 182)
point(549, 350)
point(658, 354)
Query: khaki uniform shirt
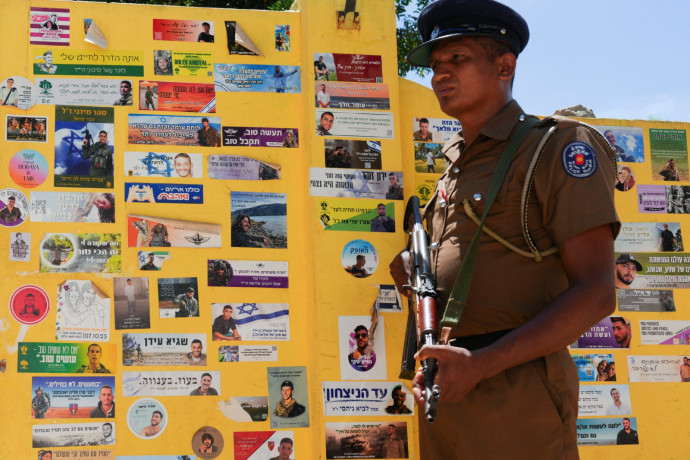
point(508, 289)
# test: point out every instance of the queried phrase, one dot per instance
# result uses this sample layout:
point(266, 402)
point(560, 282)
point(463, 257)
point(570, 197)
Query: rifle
point(424, 287)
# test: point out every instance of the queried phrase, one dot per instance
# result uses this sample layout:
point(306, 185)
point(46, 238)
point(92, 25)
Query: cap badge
point(435, 32)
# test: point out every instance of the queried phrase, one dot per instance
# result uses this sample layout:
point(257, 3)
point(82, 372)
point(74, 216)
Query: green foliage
point(406, 11)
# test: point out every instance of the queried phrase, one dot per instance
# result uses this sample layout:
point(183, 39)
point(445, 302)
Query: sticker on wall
point(669, 154)
point(652, 199)
point(250, 321)
point(131, 296)
point(232, 167)
point(29, 304)
point(147, 418)
point(610, 332)
point(595, 367)
point(666, 332)
point(20, 246)
point(163, 193)
point(627, 141)
point(434, 129)
point(14, 207)
point(604, 400)
point(288, 394)
point(259, 445)
point(625, 178)
point(388, 299)
point(88, 62)
point(153, 164)
point(365, 68)
point(238, 40)
point(656, 270)
point(93, 34)
point(49, 26)
point(245, 408)
point(343, 95)
point(84, 146)
point(149, 349)
point(178, 297)
point(152, 260)
point(181, 30)
point(366, 440)
point(359, 258)
point(73, 434)
point(646, 237)
point(607, 431)
point(78, 91)
point(247, 353)
point(26, 129)
point(92, 454)
point(28, 168)
point(366, 398)
point(19, 92)
point(182, 63)
point(362, 348)
point(677, 198)
point(208, 443)
point(658, 368)
point(72, 207)
point(429, 158)
point(172, 383)
point(83, 312)
point(72, 397)
point(259, 220)
point(343, 153)
point(80, 253)
point(257, 78)
point(247, 273)
point(356, 216)
point(355, 183)
point(424, 188)
point(282, 37)
point(177, 96)
point(661, 300)
point(348, 123)
point(174, 130)
point(238, 136)
point(66, 358)
point(147, 231)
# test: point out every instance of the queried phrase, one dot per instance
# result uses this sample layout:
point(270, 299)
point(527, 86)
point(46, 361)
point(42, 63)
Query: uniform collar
point(499, 128)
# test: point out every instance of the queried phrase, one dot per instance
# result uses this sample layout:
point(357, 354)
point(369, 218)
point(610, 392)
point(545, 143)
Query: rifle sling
point(461, 288)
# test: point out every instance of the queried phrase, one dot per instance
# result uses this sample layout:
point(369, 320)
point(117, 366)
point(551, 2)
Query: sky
point(622, 59)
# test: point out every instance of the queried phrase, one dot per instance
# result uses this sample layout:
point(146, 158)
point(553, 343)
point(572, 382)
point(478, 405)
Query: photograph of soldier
point(393, 446)
point(196, 357)
point(207, 135)
point(219, 273)
point(427, 156)
point(99, 154)
point(46, 66)
point(45, 454)
point(143, 232)
point(287, 406)
point(106, 404)
point(325, 124)
point(382, 222)
point(131, 301)
point(40, 403)
point(39, 133)
point(107, 431)
point(150, 99)
point(678, 199)
point(8, 93)
point(159, 236)
point(29, 306)
point(177, 297)
point(224, 327)
point(669, 172)
point(125, 93)
point(206, 35)
point(162, 62)
point(150, 265)
point(30, 130)
point(12, 128)
point(395, 190)
point(666, 301)
point(423, 134)
point(290, 140)
point(398, 407)
point(205, 388)
point(667, 240)
point(94, 366)
point(627, 435)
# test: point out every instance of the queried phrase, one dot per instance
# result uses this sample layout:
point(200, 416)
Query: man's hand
point(400, 271)
point(459, 371)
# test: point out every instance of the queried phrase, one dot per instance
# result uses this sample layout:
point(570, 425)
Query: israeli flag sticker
point(579, 159)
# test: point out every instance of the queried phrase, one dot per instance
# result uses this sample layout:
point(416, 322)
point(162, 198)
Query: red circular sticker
point(29, 304)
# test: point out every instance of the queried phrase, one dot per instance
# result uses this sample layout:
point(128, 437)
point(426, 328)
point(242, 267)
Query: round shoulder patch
point(579, 159)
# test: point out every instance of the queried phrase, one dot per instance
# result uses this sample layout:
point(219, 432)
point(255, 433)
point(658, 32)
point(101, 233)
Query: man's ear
point(506, 66)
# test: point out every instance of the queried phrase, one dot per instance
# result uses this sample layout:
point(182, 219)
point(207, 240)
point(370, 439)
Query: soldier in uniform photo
point(207, 135)
point(106, 405)
point(287, 406)
point(94, 365)
point(40, 404)
point(125, 93)
point(382, 222)
point(100, 155)
point(398, 406)
point(187, 304)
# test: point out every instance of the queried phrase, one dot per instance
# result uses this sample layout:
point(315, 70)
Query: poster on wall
point(73, 434)
point(66, 358)
point(362, 348)
point(233, 167)
point(84, 147)
point(151, 349)
point(364, 68)
point(159, 164)
point(669, 154)
point(182, 30)
point(72, 397)
point(80, 253)
point(341, 95)
point(26, 129)
point(182, 63)
point(49, 26)
point(72, 207)
point(174, 130)
point(14, 207)
point(288, 396)
point(350, 123)
point(345, 153)
point(239, 136)
point(607, 431)
point(366, 440)
point(177, 96)
point(259, 220)
point(251, 321)
point(83, 312)
point(355, 216)
point(92, 63)
point(263, 78)
point(171, 383)
point(149, 231)
point(366, 398)
point(92, 91)
point(247, 273)
point(147, 192)
point(355, 183)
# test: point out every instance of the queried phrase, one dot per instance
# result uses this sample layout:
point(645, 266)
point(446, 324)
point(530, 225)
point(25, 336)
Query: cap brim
point(421, 55)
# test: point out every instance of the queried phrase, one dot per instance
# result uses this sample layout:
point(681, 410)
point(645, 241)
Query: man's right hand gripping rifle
point(415, 261)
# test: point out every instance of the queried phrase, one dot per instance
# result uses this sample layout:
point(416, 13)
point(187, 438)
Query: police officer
point(509, 388)
point(100, 155)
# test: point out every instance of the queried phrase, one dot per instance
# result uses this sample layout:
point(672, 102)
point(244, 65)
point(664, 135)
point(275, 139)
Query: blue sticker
point(164, 193)
point(579, 159)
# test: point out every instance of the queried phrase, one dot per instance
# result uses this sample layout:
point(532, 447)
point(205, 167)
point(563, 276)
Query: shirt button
point(433, 246)
point(456, 170)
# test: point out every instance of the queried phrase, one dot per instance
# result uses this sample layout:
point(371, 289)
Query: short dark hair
point(227, 307)
point(108, 387)
point(391, 425)
point(204, 120)
point(29, 295)
point(206, 374)
point(129, 83)
point(613, 389)
point(157, 412)
point(182, 155)
point(618, 319)
point(287, 383)
point(493, 48)
point(102, 131)
point(197, 341)
point(108, 424)
point(205, 24)
point(327, 113)
point(206, 436)
point(11, 199)
point(626, 418)
point(360, 256)
point(94, 345)
point(397, 388)
point(423, 120)
point(287, 440)
point(361, 328)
